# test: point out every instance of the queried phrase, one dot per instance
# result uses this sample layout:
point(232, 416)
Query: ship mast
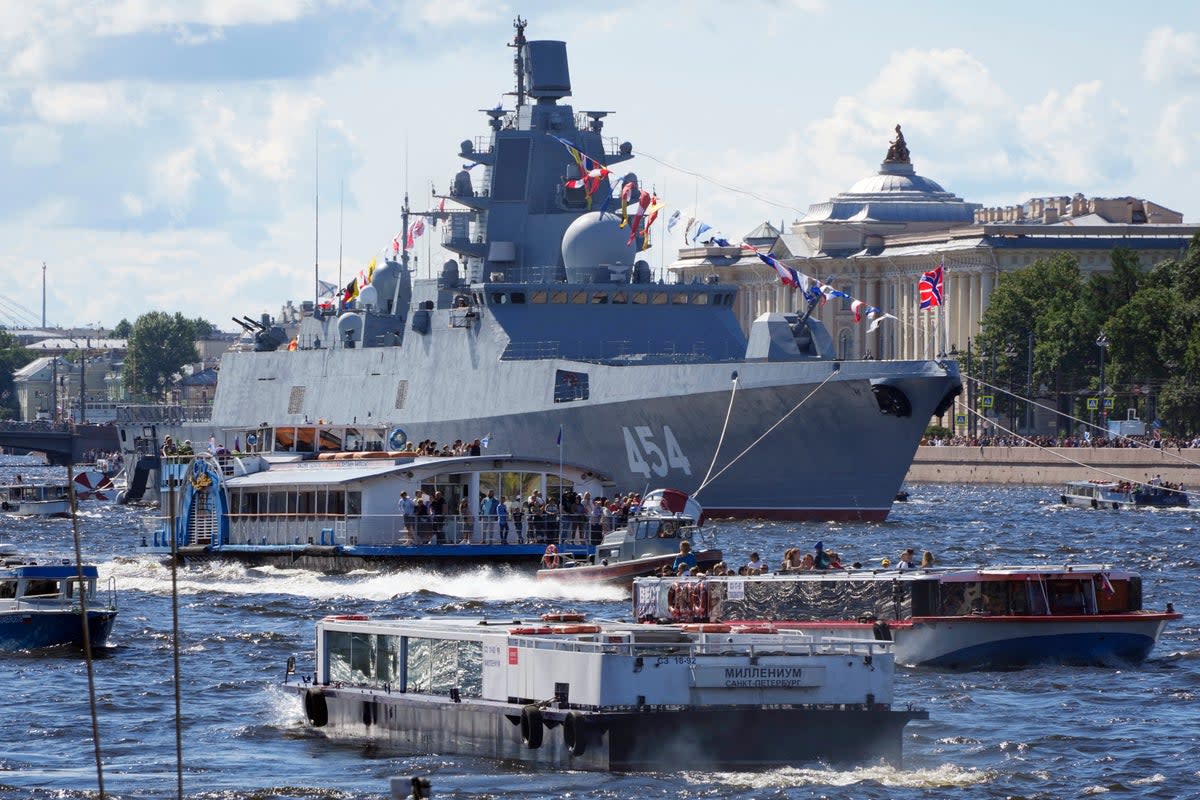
point(519, 58)
point(403, 251)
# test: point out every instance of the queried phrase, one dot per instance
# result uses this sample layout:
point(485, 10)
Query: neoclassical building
point(875, 240)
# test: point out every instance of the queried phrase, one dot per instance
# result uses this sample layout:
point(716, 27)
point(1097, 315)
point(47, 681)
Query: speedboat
point(1122, 494)
point(646, 545)
point(563, 692)
point(965, 618)
point(41, 604)
point(36, 499)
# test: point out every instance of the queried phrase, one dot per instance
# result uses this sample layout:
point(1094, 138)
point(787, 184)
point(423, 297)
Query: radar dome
point(594, 247)
point(368, 297)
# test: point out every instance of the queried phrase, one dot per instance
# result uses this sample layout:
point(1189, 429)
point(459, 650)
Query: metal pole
point(1102, 343)
point(970, 393)
point(1029, 389)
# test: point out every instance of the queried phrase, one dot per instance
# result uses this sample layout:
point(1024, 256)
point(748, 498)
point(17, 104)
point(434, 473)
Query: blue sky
point(165, 154)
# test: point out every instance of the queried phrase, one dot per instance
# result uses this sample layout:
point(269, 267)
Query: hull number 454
point(646, 456)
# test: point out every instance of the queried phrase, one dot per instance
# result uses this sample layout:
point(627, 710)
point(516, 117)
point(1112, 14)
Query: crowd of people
point(571, 517)
point(1155, 440)
point(820, 559)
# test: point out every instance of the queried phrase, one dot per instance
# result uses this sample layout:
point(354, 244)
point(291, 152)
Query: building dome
point(893, 200)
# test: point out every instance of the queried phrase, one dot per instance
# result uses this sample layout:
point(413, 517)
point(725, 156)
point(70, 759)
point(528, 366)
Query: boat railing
point(783, 642)
point(283, 529)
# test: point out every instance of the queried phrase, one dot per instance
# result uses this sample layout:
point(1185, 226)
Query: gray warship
point(549, 338)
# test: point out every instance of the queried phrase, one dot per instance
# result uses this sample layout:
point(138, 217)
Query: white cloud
point(443, 13)
point(1081, 137)
point(173, 178)
point(134, 16)
point(1170, 56)
point(74, 103)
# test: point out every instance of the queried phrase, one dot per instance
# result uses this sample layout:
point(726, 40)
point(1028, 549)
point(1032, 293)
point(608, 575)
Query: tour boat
point(336, 510)
point(1122, 494)
point(40, 604)
point(1002, 616)
point(36, 499)
point(645, 545)
point(565, 693)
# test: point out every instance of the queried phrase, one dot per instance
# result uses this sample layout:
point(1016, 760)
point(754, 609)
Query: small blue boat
point(40, 605)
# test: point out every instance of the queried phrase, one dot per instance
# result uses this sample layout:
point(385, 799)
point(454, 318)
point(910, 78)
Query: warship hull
point(804, 440)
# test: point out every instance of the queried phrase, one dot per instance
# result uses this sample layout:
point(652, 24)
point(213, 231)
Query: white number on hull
point(645, 456)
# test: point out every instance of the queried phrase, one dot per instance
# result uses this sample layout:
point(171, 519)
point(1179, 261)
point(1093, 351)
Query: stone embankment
point(1053, 465)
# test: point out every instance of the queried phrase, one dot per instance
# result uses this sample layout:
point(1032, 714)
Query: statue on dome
point(898, 151)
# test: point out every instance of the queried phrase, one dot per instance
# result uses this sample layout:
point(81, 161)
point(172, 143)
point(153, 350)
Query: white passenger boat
point(36, 499)
point(335, 509)
point(562, 692)
point(1121, 494)
point(1003, 616)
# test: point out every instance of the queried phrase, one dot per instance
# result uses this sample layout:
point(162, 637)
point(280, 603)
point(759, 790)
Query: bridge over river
point(63, 443)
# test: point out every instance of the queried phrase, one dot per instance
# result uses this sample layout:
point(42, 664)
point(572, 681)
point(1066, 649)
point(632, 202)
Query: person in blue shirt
point(685, 561)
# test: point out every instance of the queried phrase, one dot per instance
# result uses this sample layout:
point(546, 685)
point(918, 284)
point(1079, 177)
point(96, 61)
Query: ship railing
point(164, 414)
point(782, 643)
point(289, 529)
point(613, 352)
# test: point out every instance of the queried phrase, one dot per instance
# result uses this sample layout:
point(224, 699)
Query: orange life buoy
point(530, 631)
point(756, 629)
point(707, 627)
point(673, 601)
point(577, 629)
point(551, 561)
point(564, 617)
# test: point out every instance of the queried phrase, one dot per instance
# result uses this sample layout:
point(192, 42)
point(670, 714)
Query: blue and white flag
point(486, 440)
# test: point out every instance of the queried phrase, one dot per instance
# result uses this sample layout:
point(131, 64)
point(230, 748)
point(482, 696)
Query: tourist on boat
point(550, 559)
point(926, 560)
point(465, 525)
point(596, 520)
point(685, 561)
point(502, 519)
point(437, 513)
point(754, 566)
point(515, 515)
point(407, 511)
point(821, 559)
point(906, 560)
point(791, 560)
point(835, 561)
point(168, 446)
point(488, 517)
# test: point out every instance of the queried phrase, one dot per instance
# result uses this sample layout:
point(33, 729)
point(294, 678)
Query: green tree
point(160, 345)
point(203, 328)
point(12, 357)
point(123, 329)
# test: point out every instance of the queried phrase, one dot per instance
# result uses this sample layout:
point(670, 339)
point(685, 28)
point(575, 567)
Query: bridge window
point(569, 386)
point(658, 299)
point(538, 297)
point(559, 297)
point(620, 297)
point(518, 297)
point(600, 297)
point(700, 299)
point(579, 297)
point(640, 298)
point(679, 298)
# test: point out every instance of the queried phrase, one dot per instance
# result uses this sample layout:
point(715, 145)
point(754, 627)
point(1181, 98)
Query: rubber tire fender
point(1095, 504)
point(577, 733)
point(531, 727)
point(315, 708)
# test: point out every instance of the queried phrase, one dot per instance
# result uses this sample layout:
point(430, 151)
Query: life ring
point(577, 629)
point(577, 733)
point(551, 559)
point(700, 601)
point(397, 439)
point(707, 627)
point(530, 631)
point(672, 601)
point(531, 727)
point(756, 629)
point(251, 439)
point(348, 617)
point(569, 617)
point(315, 708)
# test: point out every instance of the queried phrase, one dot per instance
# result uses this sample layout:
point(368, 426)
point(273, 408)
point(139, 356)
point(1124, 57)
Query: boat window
point(700, 299)
point(362, 658)
point(679, 298)
point(569, 386)
point(620, 297)
point(41, 588)
point(559, 297)
point(307, 504)
point(1067, 597)
point(499, 298)
point(277, 502)
point(8, 589)
point(995, 597)
point(322, 502)
point(658, 298)
point(538, 297)
point(438, 665)
point(579, 297)
point(640, 298)
point(518, 297)
point(353, 504)
point(337, 502)
point(600, 297)
point(646, 529)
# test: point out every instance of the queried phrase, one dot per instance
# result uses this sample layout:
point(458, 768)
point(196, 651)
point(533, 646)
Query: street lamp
point(1102, 343)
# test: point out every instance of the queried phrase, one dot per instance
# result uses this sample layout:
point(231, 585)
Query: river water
point(1045, 732)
